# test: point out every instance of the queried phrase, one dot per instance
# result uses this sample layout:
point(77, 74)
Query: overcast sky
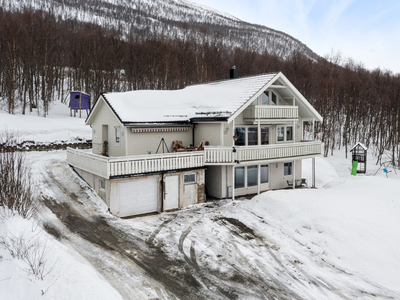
point(367, 31)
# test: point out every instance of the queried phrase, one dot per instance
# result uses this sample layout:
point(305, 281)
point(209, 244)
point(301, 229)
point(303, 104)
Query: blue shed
point(79, 101)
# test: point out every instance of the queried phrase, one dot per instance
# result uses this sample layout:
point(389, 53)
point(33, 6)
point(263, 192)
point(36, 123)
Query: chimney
point(233, 73)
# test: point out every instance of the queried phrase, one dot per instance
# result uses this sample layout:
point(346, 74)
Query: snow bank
point(69, 277)
point(350, 222)
point(56, 127)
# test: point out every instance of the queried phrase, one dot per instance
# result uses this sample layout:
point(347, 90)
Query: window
point(265, 98)
point(252, 173)
point(240, 133)
point(264, 135)
point(189, 178)
point(239, 177)
point(280, 133)
point(274, 99)
point(117, 134)
point(287, 169)
point(284, 133)
point(102, 184)
point(289, 133)
point(264, 174)
point(252, 136)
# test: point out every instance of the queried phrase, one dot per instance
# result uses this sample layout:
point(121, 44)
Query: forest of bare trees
point(42, 58)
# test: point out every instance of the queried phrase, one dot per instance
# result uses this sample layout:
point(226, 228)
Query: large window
point(264, 135)
point(264, 174)
point(287, 169)
point(252, 136)
point(265, 98)
point(252, 173)
point(240, 133)
point(239, 177)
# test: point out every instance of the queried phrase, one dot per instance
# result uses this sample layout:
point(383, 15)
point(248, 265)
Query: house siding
point(210, 132)
point(146, 143)
point(104, 116)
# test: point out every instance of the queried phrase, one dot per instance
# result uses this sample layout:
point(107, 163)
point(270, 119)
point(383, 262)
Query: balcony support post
point(233, 182)
point(313, 172)
point(259, 178)
point(294, 173)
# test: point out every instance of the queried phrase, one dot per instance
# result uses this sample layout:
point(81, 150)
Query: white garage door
point(138, 196)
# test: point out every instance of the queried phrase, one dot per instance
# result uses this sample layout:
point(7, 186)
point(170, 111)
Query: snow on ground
point(351, 222)
point(56, 127)
point(67, 274)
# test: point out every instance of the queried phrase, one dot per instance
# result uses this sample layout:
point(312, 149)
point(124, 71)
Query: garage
point(138, 196)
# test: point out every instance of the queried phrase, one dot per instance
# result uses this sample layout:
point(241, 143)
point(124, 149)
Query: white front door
point(264, 177)
point(171, 194)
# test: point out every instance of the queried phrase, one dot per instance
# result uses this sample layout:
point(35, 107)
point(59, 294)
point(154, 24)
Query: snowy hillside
point(174, 18)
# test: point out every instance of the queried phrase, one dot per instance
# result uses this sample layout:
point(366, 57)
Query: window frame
point(117, 135)
point(288, 169)
point(190, 181)
point(285, 129)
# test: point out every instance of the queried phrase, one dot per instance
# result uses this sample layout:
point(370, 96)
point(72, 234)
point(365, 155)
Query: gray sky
point(367, 31)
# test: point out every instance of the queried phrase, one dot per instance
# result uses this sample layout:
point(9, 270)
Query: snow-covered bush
point(32, 250)
point(17, 188)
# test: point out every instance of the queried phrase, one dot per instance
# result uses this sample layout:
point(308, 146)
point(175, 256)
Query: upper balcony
point(112, 167)
point(274, 112)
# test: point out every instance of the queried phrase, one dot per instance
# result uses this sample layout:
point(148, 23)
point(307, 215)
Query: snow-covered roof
point(361, 145)
point(220, 100)
point(209, 100)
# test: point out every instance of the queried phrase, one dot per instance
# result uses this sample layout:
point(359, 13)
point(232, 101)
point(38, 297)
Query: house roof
point(222, 100)
point(359, 144)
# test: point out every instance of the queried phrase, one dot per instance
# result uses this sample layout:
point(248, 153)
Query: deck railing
point(107, 167)
point(271, 112)
point(220, 155)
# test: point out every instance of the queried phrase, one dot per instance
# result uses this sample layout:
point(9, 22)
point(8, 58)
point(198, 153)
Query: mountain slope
point(173, 18)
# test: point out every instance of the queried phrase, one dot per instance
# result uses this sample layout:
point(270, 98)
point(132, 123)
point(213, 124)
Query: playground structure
point(384, 166)
point(359, 159)
point(79, 101)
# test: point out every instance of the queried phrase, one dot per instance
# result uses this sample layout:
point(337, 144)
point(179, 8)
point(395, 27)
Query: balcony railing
point(271, 112)
point(224, 155)
point(108, 167)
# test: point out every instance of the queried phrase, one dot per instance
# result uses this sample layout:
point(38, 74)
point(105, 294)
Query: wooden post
point(233, 182)
point(294, 174)
point(80, 104)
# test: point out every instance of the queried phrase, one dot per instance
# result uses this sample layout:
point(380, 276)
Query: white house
point(252, 128)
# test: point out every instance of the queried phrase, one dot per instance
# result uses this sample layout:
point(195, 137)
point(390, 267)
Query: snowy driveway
point(217, 250)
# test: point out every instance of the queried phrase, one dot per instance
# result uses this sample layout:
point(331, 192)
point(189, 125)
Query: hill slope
point(173, 18)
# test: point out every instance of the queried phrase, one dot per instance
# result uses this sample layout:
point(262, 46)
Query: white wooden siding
point(210, 132)
point(104, 116)
point(144, 143)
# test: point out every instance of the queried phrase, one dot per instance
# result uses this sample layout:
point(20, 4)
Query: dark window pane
point(264, 174)
point(289, 133)
point(264, 135)
point(252, 138)
point(252, 176)
point(239, 177)
point(240, 133)
point(189, 178)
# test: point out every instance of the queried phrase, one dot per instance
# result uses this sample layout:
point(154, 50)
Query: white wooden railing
point(271, 112)
point(221, 155)
point(107, 167)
